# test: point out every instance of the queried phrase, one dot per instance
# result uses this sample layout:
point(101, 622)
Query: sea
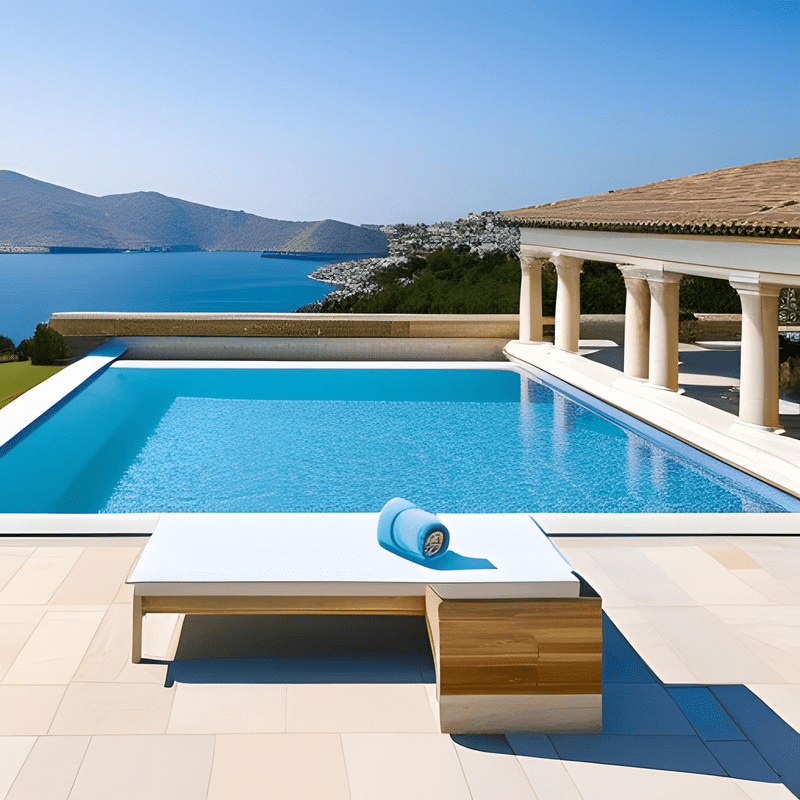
point(33, 286)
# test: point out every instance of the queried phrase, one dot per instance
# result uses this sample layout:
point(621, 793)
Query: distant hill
point(38, 214)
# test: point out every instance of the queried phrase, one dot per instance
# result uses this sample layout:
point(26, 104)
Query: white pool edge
point(553, 524)
point(21, 413)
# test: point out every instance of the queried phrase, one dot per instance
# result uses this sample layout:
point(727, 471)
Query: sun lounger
point(516, 645)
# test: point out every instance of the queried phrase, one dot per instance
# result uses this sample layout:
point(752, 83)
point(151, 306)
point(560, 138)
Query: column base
point(752, 426)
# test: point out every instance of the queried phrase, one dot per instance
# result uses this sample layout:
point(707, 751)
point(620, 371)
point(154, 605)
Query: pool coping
point(680, 524)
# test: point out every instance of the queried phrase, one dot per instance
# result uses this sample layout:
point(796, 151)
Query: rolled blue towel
point(410, 532)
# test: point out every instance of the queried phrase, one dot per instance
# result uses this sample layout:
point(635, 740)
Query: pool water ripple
point(258, 440)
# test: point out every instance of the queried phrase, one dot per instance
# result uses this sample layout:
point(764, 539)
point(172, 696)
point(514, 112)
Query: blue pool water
point(242, 440)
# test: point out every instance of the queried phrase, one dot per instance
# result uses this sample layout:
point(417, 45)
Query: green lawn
point(17, 377)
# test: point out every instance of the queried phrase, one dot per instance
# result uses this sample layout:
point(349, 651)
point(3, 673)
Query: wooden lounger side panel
point(520, 647)
point(210, 604)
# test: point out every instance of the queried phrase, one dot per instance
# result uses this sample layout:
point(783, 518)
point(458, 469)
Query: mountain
point(38, 214)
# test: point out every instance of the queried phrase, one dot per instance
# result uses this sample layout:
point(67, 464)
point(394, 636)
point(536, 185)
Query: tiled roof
point(752, 200)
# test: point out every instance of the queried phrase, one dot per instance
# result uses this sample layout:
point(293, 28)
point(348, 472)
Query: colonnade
point(651, 326)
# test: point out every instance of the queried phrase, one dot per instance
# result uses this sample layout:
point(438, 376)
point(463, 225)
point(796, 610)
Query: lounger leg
point(136, 646)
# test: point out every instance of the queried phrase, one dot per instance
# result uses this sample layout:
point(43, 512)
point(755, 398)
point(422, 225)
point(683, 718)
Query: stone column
point(758, 371)
point(568, 302)
point(530, 298)
point(663, 361)
point(637, 322)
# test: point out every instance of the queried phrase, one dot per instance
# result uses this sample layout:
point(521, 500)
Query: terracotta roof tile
point(752, 200)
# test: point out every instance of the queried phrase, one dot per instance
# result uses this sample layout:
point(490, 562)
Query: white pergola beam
point(777, 260)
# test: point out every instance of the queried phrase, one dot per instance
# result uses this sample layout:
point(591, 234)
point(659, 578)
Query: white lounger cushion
point(338, 554)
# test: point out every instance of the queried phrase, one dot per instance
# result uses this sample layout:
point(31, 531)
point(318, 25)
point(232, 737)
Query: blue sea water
point(33, 286)
point(299, 440)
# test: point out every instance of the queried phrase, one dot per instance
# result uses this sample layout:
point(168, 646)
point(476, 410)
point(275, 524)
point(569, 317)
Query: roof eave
point(743, 229)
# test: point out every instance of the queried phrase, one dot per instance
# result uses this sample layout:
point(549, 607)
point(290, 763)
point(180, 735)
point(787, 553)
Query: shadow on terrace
point(701, 729)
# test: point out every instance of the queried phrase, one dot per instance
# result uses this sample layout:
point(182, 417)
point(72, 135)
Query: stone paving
point(222, 710)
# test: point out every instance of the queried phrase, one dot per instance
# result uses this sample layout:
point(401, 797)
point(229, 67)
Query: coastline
point(349, 277)
point(481, 233)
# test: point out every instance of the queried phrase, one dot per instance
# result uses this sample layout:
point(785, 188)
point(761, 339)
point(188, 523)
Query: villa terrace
point(701, 661)
point(240, 708)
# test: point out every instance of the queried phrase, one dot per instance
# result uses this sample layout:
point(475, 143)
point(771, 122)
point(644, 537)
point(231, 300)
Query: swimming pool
point(247, 437)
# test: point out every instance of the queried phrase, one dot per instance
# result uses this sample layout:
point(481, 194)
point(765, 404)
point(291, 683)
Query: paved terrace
point(343, 708)
point(701, 678)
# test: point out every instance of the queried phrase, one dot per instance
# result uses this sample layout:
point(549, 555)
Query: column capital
point(534, 251)
point(748, 283)
point(666, 278)
point(527, 262)
point(632, 271)
point(565, 262)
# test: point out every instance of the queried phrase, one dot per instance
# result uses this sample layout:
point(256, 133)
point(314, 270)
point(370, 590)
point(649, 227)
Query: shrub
point(47, 346)
point(24, 349)
point(7, 350)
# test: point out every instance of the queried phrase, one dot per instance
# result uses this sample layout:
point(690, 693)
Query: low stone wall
point(478, 326)
point(711, 327)
point(294, 336)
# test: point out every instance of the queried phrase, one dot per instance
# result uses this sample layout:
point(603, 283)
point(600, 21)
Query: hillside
point(38, 214)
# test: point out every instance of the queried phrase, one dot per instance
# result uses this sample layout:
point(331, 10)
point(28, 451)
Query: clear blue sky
point(386, 111)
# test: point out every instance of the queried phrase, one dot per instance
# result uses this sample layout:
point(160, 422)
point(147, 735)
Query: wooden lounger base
point(502, 665)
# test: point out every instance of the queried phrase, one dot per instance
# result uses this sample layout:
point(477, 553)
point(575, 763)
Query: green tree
point(24, 349)
point(602, 289)
point(47, 346)
point(708, 295)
